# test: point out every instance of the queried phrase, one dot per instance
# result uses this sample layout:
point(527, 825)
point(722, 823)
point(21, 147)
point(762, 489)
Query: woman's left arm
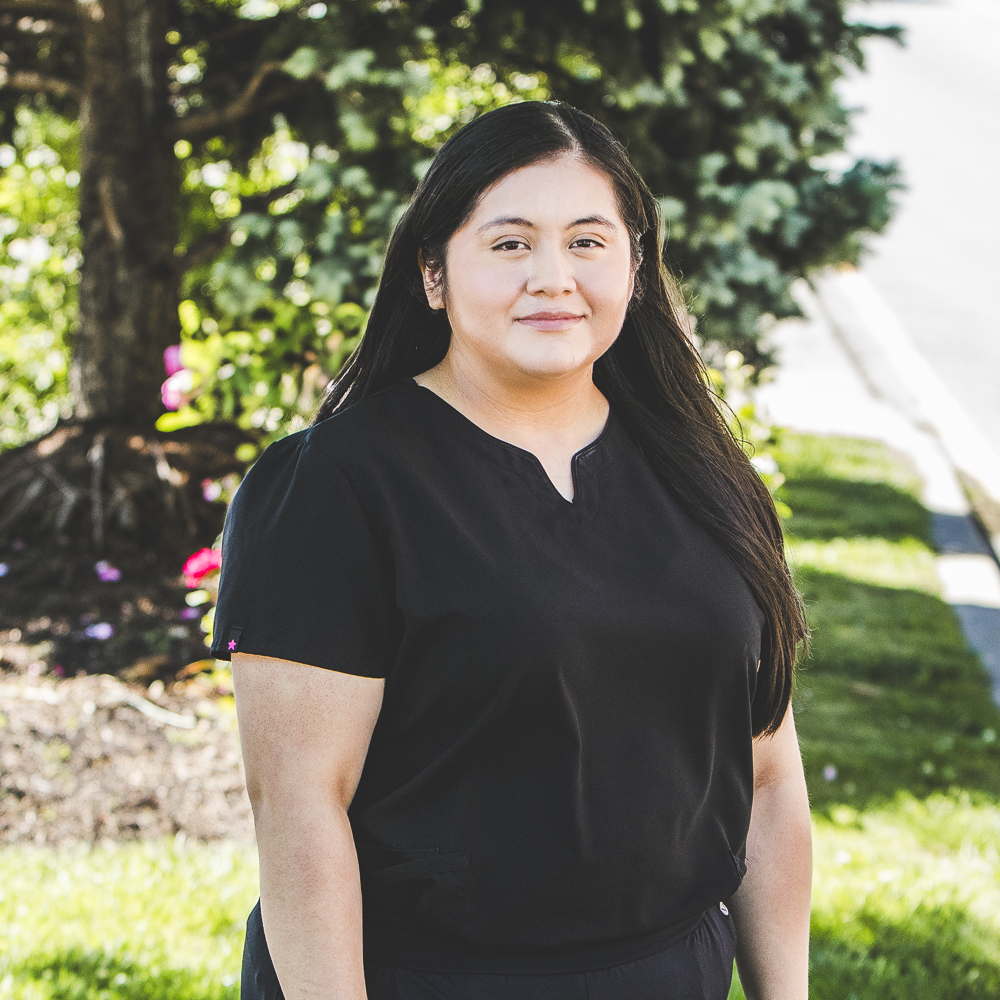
point(771, 907)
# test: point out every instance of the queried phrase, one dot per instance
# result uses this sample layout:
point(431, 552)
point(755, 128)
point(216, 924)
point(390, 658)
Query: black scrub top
point(561, 774)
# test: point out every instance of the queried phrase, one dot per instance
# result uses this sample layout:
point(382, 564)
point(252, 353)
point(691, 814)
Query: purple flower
point(188, 613)
point(172, 359)
point(4, 569)
point(830, 772)
point(107, 573)
point(211, 490)
point(102, 630)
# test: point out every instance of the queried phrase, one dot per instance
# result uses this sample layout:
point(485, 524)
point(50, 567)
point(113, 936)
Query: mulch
point(94, 759)
point(96, 523)
point(109, 728)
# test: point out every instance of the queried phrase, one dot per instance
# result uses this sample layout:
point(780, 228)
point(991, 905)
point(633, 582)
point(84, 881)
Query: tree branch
point(47, 8)
point(239, 28)
point(212, 121)
point(38, 83)
point(259, 202)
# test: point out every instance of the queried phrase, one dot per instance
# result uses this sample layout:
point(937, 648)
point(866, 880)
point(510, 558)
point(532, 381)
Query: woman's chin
point(553, 364)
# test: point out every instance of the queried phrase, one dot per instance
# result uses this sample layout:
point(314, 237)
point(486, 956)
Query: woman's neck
point(553, 418)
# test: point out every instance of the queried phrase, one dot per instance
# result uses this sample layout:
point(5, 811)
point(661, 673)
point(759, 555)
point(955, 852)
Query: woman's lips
point(550, 320)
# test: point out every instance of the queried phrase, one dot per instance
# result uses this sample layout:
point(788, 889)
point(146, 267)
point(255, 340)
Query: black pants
point(698, 967)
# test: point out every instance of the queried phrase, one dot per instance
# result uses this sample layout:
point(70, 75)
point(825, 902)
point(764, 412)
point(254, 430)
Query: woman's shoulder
point(363, 435)
point(374, 426)
point(334, 458)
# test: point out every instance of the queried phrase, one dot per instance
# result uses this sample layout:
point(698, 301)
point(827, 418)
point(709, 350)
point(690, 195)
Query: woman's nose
point(550, 273)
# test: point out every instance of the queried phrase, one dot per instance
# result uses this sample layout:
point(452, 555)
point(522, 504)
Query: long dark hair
point(652, 376)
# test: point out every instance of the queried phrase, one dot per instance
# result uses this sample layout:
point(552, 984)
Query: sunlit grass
point(906, 901)
point(908, 563)
point(899, 739)
point(132, 921)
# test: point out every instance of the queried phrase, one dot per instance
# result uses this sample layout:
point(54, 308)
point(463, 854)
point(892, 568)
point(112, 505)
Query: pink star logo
point(232, 643)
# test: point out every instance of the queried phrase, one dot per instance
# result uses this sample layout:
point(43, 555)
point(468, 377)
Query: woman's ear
point(433, 285)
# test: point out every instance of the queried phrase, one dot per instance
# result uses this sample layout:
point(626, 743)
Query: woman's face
point(539, 277)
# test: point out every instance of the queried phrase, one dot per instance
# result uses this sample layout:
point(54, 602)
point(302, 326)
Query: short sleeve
point(303, 578)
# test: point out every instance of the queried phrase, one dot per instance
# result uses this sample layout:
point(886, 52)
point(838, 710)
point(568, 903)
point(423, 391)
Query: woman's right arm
point(305, 733)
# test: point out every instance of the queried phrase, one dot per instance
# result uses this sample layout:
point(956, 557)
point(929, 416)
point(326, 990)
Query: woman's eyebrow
point(593, 220)
point(505, 220)
point(514, 220)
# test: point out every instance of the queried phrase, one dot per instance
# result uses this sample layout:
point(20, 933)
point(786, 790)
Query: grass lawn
point(899, 740)
point(900, 744)
point(133, 922)
point(891, 697)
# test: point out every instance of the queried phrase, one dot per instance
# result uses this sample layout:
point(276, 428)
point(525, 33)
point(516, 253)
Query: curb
point(959, 467)
point(879, 344)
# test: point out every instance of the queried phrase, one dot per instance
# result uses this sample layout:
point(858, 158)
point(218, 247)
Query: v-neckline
point(508, 447)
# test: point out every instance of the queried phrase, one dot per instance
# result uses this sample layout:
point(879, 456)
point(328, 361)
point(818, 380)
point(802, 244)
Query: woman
point(555, 630)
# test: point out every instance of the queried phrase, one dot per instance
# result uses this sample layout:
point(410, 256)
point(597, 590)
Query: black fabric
point(698, 966)
point(561, 772)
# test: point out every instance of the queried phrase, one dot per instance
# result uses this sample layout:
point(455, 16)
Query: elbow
point(282, 805)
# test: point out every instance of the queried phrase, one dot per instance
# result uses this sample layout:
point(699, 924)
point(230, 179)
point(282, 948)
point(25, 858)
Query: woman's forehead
point(564, 192)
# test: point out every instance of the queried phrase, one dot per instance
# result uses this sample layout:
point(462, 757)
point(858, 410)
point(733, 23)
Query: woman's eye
point(510, 245)
point(586, 243)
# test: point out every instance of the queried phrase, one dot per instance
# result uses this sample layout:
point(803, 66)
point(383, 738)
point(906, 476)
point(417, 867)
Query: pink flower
point(203, 562)
point(172, 359)
point(174, 391)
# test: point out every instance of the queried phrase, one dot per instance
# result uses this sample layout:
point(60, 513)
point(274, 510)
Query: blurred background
point(194, 203)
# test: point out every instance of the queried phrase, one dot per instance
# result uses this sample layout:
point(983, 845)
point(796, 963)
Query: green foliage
point(727, 110)
point(257, 379)
point(304, 263)
point(285, 223)
point(39, 268)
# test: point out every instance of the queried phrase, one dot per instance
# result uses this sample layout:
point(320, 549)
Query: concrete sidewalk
point(833, 377)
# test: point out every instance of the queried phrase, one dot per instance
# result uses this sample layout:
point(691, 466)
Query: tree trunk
point(129, 281)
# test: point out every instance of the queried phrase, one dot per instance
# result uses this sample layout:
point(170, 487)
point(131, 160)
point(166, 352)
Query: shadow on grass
point(930, 953)
point(849, 488)
point(78, 974)
point(825, 507)
point(891, 698)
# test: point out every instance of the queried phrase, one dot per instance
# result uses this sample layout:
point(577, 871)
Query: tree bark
point(129, 280)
